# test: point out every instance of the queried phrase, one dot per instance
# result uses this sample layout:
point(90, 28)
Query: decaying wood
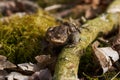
point(68, 61)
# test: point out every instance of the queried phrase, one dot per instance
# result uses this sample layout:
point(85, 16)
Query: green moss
point(20, 39)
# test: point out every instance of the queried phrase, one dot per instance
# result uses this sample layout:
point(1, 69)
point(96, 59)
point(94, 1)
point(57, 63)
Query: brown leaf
point(2, 58)
point(16, 76)
point(46, 61)
point(26, 6)
point(95, 2)
point(41, 75)
point(28, 67)
point(43, 58)
point(99, 55)
point(5, 63)
point(87, 1)
point(105, 56)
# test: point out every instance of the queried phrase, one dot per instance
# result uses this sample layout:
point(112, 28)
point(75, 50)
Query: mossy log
point(20, 38)
point(68, 60)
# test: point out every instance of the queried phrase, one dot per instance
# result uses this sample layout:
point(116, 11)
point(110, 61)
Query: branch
point(68, 60)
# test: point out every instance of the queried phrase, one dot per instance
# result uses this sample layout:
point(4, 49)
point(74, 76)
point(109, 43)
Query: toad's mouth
point(59, 41)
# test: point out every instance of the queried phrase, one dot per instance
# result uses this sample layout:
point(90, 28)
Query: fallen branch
point(68, 61)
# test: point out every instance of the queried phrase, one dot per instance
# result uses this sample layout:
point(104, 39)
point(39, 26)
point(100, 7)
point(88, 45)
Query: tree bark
point(68, 60)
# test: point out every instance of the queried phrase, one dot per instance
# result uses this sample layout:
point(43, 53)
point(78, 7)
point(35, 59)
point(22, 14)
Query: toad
point(66, 33)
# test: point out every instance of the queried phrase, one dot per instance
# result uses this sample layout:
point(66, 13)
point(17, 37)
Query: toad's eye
point(58, 36)
point(50, 29)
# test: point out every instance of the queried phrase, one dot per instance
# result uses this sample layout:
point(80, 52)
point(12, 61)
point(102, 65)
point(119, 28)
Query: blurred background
point(61, 8)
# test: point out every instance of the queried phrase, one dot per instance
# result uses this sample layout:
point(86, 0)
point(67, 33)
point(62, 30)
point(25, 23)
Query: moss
point(96, 26)
point(20, 39)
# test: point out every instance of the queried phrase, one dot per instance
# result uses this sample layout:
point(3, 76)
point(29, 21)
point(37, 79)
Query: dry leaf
point(43, 58)
point(106, 56)
point(2, 58)
point(16, 76)
point(28, 67)
point(46, 61)
point(4, 63)
point(41, 75)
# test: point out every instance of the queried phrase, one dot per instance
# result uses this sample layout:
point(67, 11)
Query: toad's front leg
point(74, 38)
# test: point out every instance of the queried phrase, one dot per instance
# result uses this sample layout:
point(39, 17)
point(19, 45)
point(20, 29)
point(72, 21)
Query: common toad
point(63, 34)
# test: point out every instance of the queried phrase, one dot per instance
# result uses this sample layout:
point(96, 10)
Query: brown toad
point(66, 33)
